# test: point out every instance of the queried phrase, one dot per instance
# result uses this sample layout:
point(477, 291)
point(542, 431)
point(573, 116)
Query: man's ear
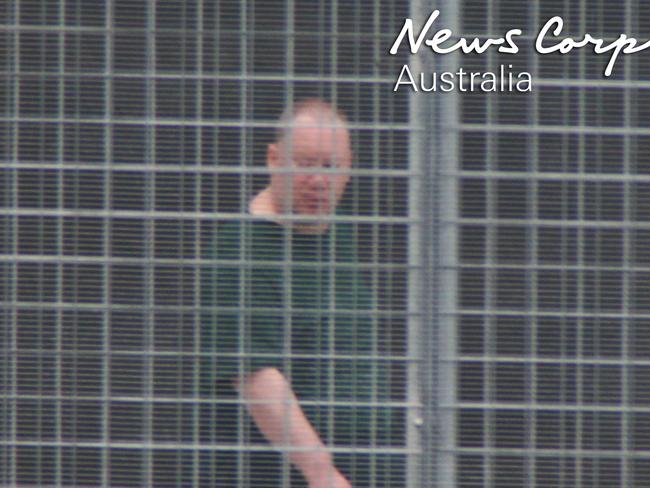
point(272, 153)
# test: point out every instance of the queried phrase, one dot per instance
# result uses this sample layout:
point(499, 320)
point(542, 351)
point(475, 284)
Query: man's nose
point(321, 180)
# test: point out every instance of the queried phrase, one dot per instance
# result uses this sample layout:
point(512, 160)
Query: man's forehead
point(318, 124)
point(318, 141)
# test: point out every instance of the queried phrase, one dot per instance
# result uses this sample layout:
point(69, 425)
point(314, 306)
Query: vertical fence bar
point(197, 247)
point(532, 237)
point(7, 351)
point(107, 224)
point(442, 369)
point(150, 248)
point(61, 79)
point(13, 352)
point(626, 425)
point(580, 255)
point(245, 40)
point(290, 69)
point(421, 423)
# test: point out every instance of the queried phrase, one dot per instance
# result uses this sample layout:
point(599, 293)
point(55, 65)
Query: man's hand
point(277, 413)
point(332, 479)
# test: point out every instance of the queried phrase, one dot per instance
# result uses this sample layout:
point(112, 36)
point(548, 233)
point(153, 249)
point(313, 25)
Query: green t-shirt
point(297, 302)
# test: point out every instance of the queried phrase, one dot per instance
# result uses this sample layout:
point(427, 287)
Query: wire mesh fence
point(134, 135)
point(545, 369)
point(474, 315)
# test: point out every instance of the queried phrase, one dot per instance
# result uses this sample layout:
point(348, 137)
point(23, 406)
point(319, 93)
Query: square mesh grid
point(543, 367)
point(132, 134)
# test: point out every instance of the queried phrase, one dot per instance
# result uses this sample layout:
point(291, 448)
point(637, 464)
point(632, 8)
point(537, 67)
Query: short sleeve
point(244, 331)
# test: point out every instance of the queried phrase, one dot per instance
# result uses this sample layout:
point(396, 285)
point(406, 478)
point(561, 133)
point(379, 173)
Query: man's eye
point(316, 163)
point(328, 164)
point(307, 163)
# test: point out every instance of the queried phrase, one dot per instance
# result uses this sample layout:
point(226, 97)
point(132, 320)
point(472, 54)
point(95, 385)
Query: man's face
point(318, 159)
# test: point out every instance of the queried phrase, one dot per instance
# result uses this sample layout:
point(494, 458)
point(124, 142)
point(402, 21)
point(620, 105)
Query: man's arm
point(277, 413)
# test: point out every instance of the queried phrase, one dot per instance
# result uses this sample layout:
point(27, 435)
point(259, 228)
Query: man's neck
point(264, 205)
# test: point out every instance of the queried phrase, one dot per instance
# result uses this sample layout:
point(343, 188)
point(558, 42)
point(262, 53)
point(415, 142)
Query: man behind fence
point(292, 330)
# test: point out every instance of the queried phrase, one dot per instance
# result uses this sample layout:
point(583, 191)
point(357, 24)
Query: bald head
point(314, 143)
point(314, 112)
